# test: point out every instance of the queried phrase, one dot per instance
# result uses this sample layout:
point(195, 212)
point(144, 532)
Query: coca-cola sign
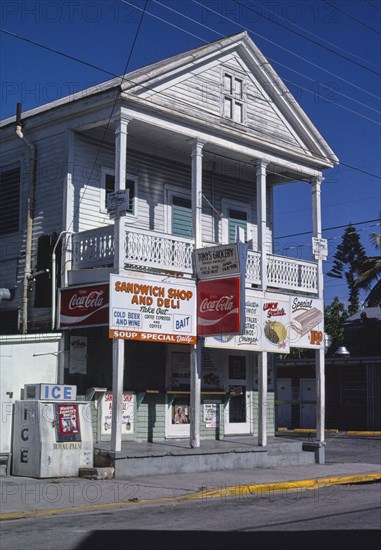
point(219, 306)
point(84, 307)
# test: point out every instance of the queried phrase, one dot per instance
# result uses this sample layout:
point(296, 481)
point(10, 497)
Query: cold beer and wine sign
point(216, 308)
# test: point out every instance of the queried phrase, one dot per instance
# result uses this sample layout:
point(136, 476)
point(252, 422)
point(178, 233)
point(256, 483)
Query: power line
point(274, 43)
point(315, 35)
point(327, 88)
point(62, 54)
point(110, 117)
point(334, 103)
point(351, 16)
point(213, 30)
point(373, 6)
point(165, 21)
point(305, 38)
point(282, 65)
point(326, 229)
point(166, 95)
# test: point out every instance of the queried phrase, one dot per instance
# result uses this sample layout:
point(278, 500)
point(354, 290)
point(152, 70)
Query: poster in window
point(67, 422)
point(180, 411)
point(180, 369)
point(211, 370)
point(78, 355)
point(127, 413)
point(211, 413)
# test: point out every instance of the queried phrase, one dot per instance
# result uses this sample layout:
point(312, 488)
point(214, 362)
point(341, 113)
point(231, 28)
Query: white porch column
point(262, 399)
point(262, 219)
point(196, 355)
point(118, 345)
point(320, 353)
point(262, 248)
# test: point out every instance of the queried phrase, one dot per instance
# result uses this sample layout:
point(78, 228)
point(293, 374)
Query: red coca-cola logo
point(93, 299)
point(225, 303)
point(86, 306)
point(219, 306)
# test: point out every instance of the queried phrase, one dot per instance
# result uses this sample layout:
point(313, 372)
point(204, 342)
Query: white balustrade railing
point(292, 274)
point(155, 250)
point(93, 248)
point(151, 250)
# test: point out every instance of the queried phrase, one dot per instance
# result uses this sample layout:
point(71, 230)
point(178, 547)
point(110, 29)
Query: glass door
point(178, 392)
point(238, 413)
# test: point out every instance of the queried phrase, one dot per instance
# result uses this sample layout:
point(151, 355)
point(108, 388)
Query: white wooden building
point(200, 140)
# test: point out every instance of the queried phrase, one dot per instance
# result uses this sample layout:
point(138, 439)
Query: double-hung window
point(233, 98)
point(237, 219)
point(178, 211)
point(181, 216)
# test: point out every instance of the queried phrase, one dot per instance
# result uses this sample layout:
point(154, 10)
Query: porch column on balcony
point(118, 344)
point(319, 353)
point(262, 219)
point(262, 359)
point(196, 356)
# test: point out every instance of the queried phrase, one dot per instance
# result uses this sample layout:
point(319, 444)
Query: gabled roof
point(139, 80)
point(152, 75)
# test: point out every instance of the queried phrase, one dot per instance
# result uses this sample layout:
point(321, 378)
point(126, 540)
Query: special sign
point(307, 323)
point(152, 311)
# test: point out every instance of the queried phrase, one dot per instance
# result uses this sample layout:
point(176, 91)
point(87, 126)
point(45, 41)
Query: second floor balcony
point(163, 253)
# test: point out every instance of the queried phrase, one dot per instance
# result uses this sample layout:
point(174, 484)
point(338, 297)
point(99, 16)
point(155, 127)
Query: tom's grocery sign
point(152, 311)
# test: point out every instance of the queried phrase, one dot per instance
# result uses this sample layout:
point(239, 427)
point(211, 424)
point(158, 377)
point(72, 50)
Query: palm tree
point(369, 276)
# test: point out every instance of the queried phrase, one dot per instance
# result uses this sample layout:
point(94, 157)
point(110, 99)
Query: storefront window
point(180, 411)
point(180, 370)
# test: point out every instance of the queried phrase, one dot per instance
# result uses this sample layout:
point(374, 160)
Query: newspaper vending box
point(52, 432)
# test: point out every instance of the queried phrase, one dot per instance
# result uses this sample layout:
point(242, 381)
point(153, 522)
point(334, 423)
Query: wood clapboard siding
point(48, 206)
point(270, 413)
point(199, 93)
point(150, 418)
point(13, 245)
point(51, 178)
point(89, 158)
point(156, 175)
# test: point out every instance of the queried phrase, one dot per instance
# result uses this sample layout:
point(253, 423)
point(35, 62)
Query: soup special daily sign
point(152, 310)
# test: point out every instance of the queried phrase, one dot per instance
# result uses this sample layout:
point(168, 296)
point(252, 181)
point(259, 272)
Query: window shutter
point(181, 217)
point(9, 201)
point(237, 218)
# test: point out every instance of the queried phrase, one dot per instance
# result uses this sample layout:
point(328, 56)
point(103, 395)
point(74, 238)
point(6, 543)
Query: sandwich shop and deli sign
point(152, 311)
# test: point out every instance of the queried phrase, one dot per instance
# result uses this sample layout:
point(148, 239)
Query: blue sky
point(328, 52)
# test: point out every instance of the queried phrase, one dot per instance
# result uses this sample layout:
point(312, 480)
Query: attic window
point(233, 98)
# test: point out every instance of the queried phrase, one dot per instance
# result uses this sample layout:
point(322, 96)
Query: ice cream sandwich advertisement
point(307, 323)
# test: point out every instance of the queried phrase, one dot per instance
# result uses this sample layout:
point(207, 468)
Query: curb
point(235, 490)
point(330, 431)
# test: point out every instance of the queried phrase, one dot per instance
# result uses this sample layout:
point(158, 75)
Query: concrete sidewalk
point(28, 497)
